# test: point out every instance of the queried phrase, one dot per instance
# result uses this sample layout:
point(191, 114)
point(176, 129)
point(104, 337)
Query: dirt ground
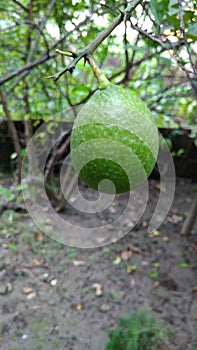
point(58, 297)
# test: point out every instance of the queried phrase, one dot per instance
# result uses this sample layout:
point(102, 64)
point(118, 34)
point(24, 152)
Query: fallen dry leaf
point(45, 209)
point(101, 239)
point(157, 186)
point(132, 282)
point(31, 295)
point(155, 233)
point(156, 284)
point(37, 262)
point(144, 223)
point(9, 287)
point(105, 307)
point(78, 262)
point(38, 236)
point(44, 277)
point(98, 289)
point(3, 290)
point(127, 223)
point(175, 219)
point(27, 290)
point(53, 282)
point(79, 307)
point(105, 250)
point(126, 254)
point(131, 268)
point(112, 210)
point(2, 273)
point(165, 239)
point(136, 250)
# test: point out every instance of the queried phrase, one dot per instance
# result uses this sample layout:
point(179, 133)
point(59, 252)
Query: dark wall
point(185, 165)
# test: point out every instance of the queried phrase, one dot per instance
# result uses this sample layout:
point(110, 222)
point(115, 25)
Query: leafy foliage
point(139, 331)
point(155, 56)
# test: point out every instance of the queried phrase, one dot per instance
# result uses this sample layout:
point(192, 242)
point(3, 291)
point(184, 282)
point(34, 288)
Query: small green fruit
point(114, 139)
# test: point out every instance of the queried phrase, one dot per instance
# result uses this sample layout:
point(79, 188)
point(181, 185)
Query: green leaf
point(117, 261)
point(180, 152)
point(6, 194)
point(136, 48)
point(174, 21)
point(183, 265)
point(151, 43)
point(20, 187)
point(114, 295)
point(188, 17)
point(12, 246)
point(153, 274)
point(9, 196)
point(173, 7)
point(159, 8)
point(166, 61)
point(193, 29)
point(156, 264)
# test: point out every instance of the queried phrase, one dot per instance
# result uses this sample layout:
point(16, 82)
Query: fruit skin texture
point(114, 137)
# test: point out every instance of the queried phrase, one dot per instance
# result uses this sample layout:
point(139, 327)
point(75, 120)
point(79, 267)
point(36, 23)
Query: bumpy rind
point(115, 126)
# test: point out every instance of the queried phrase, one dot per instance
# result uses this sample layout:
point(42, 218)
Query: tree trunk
point(190, 219)
point(14, 133)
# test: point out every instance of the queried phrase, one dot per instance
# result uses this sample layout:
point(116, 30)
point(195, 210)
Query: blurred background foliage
point(154, 53)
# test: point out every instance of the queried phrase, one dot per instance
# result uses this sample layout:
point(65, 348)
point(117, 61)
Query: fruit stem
point(103, 82)
point(65, 53)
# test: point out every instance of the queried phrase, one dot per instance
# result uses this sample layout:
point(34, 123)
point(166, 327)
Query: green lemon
point(114, 141)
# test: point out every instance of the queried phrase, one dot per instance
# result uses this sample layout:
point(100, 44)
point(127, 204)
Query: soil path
point(57, 297)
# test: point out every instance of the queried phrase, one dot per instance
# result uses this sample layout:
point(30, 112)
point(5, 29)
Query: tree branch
point(45, 57)
point(182, 30)
point(160, 42)
point(127, 69)
point(136, 63)
point(191, 218)
point(35, 44)
point(21, 5)
point(89, 49)
point(29, 23)
point(27, 67)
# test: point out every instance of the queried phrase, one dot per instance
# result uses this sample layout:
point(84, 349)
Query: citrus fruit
point(114, 141)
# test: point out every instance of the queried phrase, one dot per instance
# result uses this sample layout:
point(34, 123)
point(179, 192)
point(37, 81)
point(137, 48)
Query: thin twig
point(27, 67)
point(127, 67)
point(136, 63)
point(30, 23)
point(26, 21)
point(35, 43)
point(109, 8)
point(182, 30)
point(57, 153)
point(161, 43)
point(45, 57)
point(20, 5)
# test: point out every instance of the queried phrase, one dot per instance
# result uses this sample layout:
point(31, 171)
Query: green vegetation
point(153, 62)
point(138, 331)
